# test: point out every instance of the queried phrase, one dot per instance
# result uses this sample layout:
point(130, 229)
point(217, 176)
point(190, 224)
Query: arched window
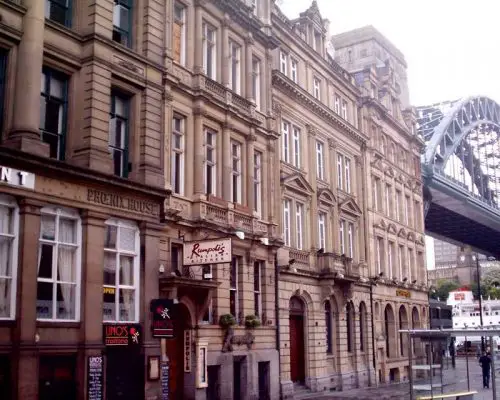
point(9, 237)
point(121, 272)
point(328, 325)
point(363, 326)
point(390, 340)
point(349, 324)
point(403, 324)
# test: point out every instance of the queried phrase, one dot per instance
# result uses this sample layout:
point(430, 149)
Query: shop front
point(78, 257)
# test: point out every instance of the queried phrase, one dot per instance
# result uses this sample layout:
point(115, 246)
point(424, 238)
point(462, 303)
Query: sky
point(452, 47)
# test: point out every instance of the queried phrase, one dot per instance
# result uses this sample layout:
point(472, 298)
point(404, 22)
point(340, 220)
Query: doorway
point(297, 347)
point(57, 378)
point(175, 351)
point(124, 374)
point(5, 378)
point(264, 380)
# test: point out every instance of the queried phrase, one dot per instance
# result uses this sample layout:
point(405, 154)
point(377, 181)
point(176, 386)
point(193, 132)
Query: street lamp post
point(478, 274)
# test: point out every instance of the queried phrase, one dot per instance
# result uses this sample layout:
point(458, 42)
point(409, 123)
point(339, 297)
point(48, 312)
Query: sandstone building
point(132, 130)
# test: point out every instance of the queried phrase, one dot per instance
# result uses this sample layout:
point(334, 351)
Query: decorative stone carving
point(332, 143)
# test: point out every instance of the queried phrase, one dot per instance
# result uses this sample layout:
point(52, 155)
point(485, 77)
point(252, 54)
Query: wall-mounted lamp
point(240, 235)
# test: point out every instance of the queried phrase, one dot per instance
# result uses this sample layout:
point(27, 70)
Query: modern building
point(393, 196)
point(81, 196)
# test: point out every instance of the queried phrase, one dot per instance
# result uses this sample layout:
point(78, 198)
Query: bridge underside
point(451, 226)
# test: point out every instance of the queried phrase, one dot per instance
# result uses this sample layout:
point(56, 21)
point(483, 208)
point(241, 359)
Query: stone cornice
point(307, 100)
point(243, 16)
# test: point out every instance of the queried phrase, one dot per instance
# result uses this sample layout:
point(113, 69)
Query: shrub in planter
point(227, 320)
point(252, 321)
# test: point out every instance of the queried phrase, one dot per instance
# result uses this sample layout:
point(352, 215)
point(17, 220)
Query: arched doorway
point(175, 351)
point(297, 340)
point(403, 337)
point(390, 341)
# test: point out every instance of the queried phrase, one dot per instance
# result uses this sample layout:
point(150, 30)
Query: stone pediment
point(298, 183)
point(381, 224)
point(326, 196)
point(389, 172)
point(313, 14)
point(351, 207)
point(411, 236)
point(421, 240)
point(402, 233)
point(391, 228)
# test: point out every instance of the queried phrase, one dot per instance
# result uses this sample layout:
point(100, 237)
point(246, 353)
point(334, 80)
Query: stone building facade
point(394, 216)
point(81, 195)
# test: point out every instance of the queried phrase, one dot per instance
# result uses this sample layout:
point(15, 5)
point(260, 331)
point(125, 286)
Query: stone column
point(25, 329)
point(247, 90)
point(198, 39)
point(150, 243)
point(249, 177)
point(25, 132)
point(199, 149)
point(225, 56)
point(227, 161)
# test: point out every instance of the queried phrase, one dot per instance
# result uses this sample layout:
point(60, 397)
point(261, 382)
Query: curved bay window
point(121, 272)
point(9, 234)
point(328, 325)
point(59, 264)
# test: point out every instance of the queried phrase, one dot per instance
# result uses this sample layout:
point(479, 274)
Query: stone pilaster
point(226, 177)
point(247, 89)
point(225, 55)
point(25, 131)
point(249, 175)
point(198, 43)
point(199, 149)
point(311, 164)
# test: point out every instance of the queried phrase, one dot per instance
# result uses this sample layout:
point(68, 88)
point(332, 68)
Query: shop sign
point(165, 381)
point(214, 251)
point(95, 378)
point(122, 334)
point(15, 177)
point(459, 296)
point(123, 202)
point(403, 293)
point(187, 350)
point(162, 323)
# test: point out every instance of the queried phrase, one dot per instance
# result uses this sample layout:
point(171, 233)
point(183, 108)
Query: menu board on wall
point(165, 389)
point(94, 378)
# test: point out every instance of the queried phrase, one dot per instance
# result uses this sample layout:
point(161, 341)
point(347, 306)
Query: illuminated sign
point(403, 293)
point(122, 334)
point(162, 325)
point(214, 251)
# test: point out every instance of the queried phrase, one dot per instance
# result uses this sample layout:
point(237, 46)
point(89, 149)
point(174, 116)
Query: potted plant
point(252, 321)
point(226, 321)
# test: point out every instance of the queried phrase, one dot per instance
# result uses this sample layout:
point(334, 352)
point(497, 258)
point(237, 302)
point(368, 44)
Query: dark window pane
point(53, 142)
point(117, 162)
point(45, 267)
point(58, 13)
point(52, 115)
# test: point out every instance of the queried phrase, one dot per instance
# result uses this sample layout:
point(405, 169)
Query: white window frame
point(398, 204)
point(390, 263)
point(351, 232)
point(235, 289)
point(257, 182)
point(347, 173)
point(182, 21)
point(407, 210)
point(379, 244)
point(235, 67)
point(10, 203)
point(209, 48)
point(285, 131)
point(388, 190)
point(317, 88)
point(344, 109)
point(376, 189)
point(401, 261)
point(287, 204)
point(336, 106)
point(257, 288)
point(340, 174)
point(410, 264)
point(59, 212)
point(320, 160)
point(342, 236)
point(322, 230)
point(296, 146)
point(283, 63)
point(299, 225)
point(294, 70)
point(211, 163)
point(136, 254)
point(256, 82)
point(236, 188)
point(178, 152)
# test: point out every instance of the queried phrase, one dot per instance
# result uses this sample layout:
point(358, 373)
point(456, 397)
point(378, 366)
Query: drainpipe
point(277, 318)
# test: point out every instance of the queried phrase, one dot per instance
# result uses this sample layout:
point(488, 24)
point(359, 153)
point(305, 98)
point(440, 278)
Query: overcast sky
point(452, 47)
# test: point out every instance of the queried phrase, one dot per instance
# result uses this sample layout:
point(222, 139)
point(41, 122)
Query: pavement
point(454, 380)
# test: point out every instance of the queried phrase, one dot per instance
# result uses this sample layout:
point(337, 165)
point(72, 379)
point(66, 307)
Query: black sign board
point(165, 389)
point(162, 325)
point(122, 334)
point(95, 378)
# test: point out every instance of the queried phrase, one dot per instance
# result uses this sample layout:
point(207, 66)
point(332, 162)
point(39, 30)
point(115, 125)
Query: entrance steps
point(301, 392)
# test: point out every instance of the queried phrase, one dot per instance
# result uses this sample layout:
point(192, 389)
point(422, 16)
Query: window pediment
point(327, 197)
point(351, 207)
point(381, 224)
point(296, 182)
point(391, 228)
point(411, 236)
point(402, 233)
point(389, 172)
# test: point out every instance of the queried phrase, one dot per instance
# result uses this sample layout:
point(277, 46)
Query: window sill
point(57, 324)
point(7, 322)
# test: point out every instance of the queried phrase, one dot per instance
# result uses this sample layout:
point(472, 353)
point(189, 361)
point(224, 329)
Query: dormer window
point(317, 42)
point(317, 88)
